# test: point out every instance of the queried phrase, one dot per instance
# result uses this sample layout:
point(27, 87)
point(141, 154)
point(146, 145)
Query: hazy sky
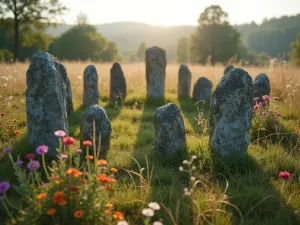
point(176, 12)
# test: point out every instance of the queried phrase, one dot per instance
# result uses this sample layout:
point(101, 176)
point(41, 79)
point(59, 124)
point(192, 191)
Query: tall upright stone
point(169, 130)
point(69, 100)
point(261, 86)
point(231, 114)
point(117, 83)
point(184, 82)
point(90, 86)
point(46, 101)
point(202, 90)
point(228, 68)
point(102, 128)
point(155, 72)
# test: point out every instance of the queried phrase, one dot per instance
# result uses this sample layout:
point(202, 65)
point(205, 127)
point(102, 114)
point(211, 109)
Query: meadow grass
point(232, 191)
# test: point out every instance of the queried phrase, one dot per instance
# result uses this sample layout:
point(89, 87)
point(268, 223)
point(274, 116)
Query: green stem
point(7, 211)
point(37, 180)
point(87, 160)
point(11, 159)
point(8, 202)
point(44, 165)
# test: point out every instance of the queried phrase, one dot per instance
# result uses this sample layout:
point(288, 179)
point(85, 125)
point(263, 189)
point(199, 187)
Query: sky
point(176, 12)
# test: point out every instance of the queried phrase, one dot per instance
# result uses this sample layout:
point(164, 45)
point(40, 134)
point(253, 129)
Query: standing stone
point(261, 86)
point(228, 68)
point(155, 72)
point(46, 101)
point(102, 127)
point(69, 100)
point(90, 86)
point(231, 114)
point(117, 84)
point(184, 82)
point(202, 90)
point(169, 130)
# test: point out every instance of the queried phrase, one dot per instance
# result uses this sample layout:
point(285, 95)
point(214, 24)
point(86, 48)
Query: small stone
point(117, 84)
point(102, 127)
point(184, 82)
point(90, 86)
point(155, 72)
point(169, 130)
point(261, 86)
point(231, 114)
point(228, 68)
point(202, 90)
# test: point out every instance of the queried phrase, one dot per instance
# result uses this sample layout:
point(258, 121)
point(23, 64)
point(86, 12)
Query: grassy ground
point(243, 191)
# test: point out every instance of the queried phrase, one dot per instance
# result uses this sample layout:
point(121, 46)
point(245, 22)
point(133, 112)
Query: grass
point(243, 191)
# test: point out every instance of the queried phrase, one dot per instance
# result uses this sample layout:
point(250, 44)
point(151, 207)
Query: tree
point(214, 37)
point(82, 19)
point(29, 15)
point(183, 50)
point(295, 53)
point(141, 51)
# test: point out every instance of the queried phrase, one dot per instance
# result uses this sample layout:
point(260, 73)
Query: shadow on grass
point(251, 191)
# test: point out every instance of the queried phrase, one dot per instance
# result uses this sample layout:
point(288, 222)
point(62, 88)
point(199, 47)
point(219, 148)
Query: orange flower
point(55, 176)
point(109, 205)
point(74, 172)
point(51, 211)
point(17, 132)
point(114, 170)
point(70, 197)
point(73, 188)
point(58, 197)
point(89, 157)
point(102, 178)
point(41, 196)
point(107, 212)
point(78, 214)
point(118, 216)
point(62, 203)
point(102, 162)
point(87, 143)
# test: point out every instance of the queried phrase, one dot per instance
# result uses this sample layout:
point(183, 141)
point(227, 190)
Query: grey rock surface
point(90, 86)
point(261, 86)
point(117, 83)
point(184, 82)
point(69, 100)
point(231, 114)
point(202, 90)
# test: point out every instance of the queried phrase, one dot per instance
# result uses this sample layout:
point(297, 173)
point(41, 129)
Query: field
point(231, 191)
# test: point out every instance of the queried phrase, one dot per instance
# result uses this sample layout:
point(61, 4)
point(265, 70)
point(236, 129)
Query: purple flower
point(33, 165)
point(265, 113)
point(64, 156)
point(4, 186)
point(256, 99)
point(19, 163)
point(78, 151)
point(2, 198)
point(60, 133)
point(279, 114)
point(6, 150)
point(42, 149)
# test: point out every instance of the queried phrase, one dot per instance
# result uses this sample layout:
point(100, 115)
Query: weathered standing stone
point(117, 83)
point(155, 72)
point(231, 114)
point(69, 100)
point(184, 82)
point(102, 127)
point(169, 130)
point(228, 68)
point(90, 86)
point(202, 90)
point(261, 86)
point(46, 101)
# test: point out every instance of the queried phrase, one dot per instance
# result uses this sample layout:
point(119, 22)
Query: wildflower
point(279, 114)
point(276, 98)
point(265, 113)
point(102, 178)
point(181, 168)
point(2, 114)
point(19, 163)
point(63, 156)
point(41, 196)
point(122, 222)
point(78, 151)
point(60, 133)
point(6, 150)
point(148, 212)
point(68, 141)
point(89, 157)
point(17, 132)
point(51, 211)
point(193, 178)
point(256, 99)
point(73, 188)
point(194, 157)
point(285, 175)
point(87, 143)
point(109, 205)
point(107, 212)
point(185, 162)
point(78, 214)
point(265, 97)
point(102, 162)
point(4, 186)
point(114, 170)
point(256, 107)
point(154, 205)
point(83, 181)
point(186, 191)
point(33, 165)
point(30, 156)
point(118, 216)
point(42, 149)
point(74, 172)
point(58, 197)
point(157, 223)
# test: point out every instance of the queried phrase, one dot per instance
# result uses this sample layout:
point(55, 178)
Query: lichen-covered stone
point(46, 101)
point(231, 114)
point(261, 86)
point(90, 86)
point(169, 130)
point(117, 83)
point(228, 68)
point(69, 100)
point(202, 90)
point(155, 72)
point(184, 82)
point(102, 128)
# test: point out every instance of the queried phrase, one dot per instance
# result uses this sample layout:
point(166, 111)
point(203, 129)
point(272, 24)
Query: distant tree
point(111, 52)
point(141, 51)
point(214, 37)
point(29, 15)
point(295, 53)
point(82, 19)
point(183, 50)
